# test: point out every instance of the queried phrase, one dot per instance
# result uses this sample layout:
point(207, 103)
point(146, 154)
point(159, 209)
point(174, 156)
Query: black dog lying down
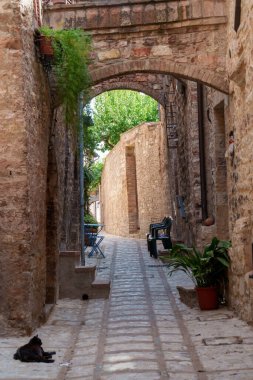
point(33, 352)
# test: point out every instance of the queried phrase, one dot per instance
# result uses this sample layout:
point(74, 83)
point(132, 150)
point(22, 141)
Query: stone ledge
point(188, 296)
point(82, 269)
point(70, 253)
point(100, 288)
point(101, 284)
point(74, 280)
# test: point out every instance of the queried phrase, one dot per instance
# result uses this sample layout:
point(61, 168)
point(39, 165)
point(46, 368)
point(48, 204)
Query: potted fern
point(207, 269)
point(71, 50)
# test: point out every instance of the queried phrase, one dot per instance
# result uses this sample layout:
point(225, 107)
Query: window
point(237, 14)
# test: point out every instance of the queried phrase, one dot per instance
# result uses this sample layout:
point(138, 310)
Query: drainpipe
point(202, 150)
point(81, 178)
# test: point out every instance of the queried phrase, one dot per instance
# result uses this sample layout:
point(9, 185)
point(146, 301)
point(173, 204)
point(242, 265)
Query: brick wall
point(134, 187)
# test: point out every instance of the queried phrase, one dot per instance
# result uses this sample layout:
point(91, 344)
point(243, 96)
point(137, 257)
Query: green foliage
point(117, 111)
point(92, 177)
point(205, 268)
point(88, 218)
point(96, 169)
point(89, 141)
point(88, 177)
point(92, 169)
point(71, 58)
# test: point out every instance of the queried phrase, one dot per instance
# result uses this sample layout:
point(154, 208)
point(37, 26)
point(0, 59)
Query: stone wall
point(37, 159)
point(151, 84)
point(62, 199)
point(239, 67)
point(136, 193)
point(183, 38)
point(25, 122)
point(197, 194)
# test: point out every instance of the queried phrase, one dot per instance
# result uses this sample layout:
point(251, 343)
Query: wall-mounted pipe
point(202, 151)
point(81, 178)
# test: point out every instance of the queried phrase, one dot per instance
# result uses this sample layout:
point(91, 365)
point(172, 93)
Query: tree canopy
point(114, 112)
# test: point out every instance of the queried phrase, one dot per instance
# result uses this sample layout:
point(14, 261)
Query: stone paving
point(143, 332)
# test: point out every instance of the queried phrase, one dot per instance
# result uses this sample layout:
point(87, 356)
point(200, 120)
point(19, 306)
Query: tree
point(115, 112)
point(96, 170)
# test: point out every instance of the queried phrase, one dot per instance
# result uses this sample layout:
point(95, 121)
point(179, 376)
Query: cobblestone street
point(143, 332)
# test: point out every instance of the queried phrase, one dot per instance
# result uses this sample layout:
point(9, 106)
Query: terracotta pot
point(208, 221)
point(46, 46)
point(208, 298)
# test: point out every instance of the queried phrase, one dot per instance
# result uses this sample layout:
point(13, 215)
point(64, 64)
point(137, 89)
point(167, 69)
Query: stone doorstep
point(163, 252)
point(100, 288)
point(48, 308)
point(101, 284)
point(70, 253)
point(81, 279)
point(82, 269)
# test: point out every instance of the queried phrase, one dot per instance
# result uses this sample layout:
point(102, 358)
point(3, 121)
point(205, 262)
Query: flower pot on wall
point(46, 46)
point(208, 298)
point(58, 2)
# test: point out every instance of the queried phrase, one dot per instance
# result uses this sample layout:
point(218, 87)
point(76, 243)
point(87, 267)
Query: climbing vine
point(70, 64)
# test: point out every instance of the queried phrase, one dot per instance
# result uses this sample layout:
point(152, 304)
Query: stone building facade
point(39, 181)
point(134, 186)
point(195, 119)
point(240, 171)
point(207, 46)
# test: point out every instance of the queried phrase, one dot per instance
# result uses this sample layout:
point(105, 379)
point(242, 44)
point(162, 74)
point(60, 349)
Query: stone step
point(100, 288)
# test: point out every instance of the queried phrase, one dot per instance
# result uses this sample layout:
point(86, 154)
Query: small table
point(94, 238)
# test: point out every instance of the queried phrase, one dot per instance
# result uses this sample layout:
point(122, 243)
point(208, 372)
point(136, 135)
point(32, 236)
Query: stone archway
point(187, 40)
point(153, 85)
point(161, 66)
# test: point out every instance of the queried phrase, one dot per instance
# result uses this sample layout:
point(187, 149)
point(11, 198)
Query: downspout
point(202, 150)
point(81, 178)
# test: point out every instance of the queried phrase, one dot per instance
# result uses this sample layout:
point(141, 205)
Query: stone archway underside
point(186, 39)
point(154, 85)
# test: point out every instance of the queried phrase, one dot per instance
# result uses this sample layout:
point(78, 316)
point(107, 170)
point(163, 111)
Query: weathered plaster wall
point(148, 144)
point(239, 66)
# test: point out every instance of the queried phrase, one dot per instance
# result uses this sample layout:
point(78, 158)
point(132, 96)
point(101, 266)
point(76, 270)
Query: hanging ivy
point(70, 63)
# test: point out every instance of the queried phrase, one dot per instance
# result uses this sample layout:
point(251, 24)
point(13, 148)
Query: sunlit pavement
point(143, 332)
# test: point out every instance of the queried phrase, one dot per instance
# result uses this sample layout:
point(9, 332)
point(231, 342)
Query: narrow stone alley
point(142, 332)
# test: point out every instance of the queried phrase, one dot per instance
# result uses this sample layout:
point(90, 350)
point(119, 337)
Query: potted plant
point(71, 50)
point(207, 269)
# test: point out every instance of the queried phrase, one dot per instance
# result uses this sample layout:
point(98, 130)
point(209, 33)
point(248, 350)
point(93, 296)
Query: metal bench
point(154, 235)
